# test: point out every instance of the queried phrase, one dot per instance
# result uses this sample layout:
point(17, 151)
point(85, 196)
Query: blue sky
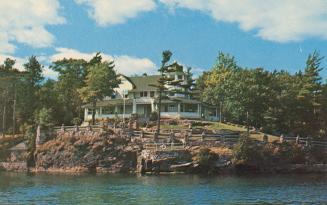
point(276, 34)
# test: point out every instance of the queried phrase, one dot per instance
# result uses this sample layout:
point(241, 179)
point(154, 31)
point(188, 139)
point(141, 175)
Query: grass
point(224, 126)
point(174, 127)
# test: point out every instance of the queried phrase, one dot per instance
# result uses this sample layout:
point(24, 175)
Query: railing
point(307, 141)
point(186, 138)
point(78, 128)
point(164, 146)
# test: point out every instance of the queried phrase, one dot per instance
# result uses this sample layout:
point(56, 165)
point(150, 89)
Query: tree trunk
point(159, 114)
point(94, 103)
point(14, 112)
point(4, 119)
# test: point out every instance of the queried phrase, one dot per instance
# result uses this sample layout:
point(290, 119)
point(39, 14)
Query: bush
point(263, 156)
point(247, 151)
point(207, 158)
point(76, 121)
point(44, 118)
point(287, 153)
point(317, 155)
point(153, 116)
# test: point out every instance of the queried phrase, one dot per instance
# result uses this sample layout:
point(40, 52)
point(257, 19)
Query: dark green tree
point(100, 82)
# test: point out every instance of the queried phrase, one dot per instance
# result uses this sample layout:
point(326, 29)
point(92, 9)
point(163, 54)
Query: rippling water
point(18, 188)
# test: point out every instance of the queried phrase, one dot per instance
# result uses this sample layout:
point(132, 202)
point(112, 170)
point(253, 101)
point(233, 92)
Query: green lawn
point(224, 126)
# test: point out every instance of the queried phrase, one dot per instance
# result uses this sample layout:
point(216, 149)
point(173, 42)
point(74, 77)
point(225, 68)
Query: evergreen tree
point(101, 79)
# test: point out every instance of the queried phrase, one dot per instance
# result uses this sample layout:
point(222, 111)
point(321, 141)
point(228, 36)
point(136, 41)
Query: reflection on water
point(19, 188)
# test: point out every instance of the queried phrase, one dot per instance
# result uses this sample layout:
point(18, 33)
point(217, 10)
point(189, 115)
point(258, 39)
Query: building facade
point(135, 95)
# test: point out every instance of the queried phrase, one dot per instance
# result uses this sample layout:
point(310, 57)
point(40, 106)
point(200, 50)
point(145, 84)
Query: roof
point(142, 83)
point(175, 67)
point(182, 100)
point(110, 102)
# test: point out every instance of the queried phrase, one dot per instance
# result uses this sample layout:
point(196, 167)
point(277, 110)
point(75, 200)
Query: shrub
point(247, 151)
point(207, 159)
point(76, 121)
point(153, 116)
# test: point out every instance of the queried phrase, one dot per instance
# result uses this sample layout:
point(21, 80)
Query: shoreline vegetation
point(264, 109)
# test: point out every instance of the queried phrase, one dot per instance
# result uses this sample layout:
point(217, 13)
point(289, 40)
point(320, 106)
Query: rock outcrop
point(86, 152)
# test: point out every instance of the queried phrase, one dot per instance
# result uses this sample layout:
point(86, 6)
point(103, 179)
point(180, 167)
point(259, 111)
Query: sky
point(273, 34)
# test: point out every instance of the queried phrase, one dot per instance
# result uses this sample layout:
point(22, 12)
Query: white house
point(135, 95)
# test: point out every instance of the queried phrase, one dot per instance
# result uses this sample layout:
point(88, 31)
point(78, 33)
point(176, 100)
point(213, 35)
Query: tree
point(311, 93)
point(71, 78)
point(29, 90)
point(9, 78)
point(162, 82)
point(215, 83)
point(101, 79)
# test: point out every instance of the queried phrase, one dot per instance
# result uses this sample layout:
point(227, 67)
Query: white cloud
point(124, 64)
point(25, 21)
point(274, 20)
point(108, 12)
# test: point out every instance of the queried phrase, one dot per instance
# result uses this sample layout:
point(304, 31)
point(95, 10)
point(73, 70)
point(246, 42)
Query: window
point(151, 93)
point(172, 108)
point(143, 94)
point(190, 108)
point(108, 110)
point(180, 77)
point(90, 111)
point(120, 109)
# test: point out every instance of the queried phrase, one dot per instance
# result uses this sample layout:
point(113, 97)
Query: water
point(19, 188)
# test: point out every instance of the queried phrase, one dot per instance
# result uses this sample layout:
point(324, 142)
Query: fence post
point(307, 142)
point(76, 128)
point(281, 138)
point(297, 140)
point(202, 136)
point(62, 128)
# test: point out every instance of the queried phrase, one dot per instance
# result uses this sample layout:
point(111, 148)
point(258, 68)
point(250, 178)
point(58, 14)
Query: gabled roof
point(142, 83)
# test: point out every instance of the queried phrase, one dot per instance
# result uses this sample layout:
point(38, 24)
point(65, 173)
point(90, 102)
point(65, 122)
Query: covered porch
point(181, 108)
point(110, 109)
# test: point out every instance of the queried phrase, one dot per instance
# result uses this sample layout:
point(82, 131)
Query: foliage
point(251, 153)
point(154, 116)
point(206, 157)
point(43, 117)
point(100, 81)
point(77, 121)
point(278, 102)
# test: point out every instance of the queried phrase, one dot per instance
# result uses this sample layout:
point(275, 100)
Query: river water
point(19, 188)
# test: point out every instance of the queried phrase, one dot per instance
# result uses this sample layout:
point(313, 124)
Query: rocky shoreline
point(110, 152)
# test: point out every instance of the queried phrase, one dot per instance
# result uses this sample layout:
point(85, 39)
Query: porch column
point(134, 106)
point(86, 113)
point(116, 109)
point(179, 110)
point(152, 106)
point(199, 110)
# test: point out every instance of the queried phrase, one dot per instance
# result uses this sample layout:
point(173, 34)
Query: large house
point(135, 95)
